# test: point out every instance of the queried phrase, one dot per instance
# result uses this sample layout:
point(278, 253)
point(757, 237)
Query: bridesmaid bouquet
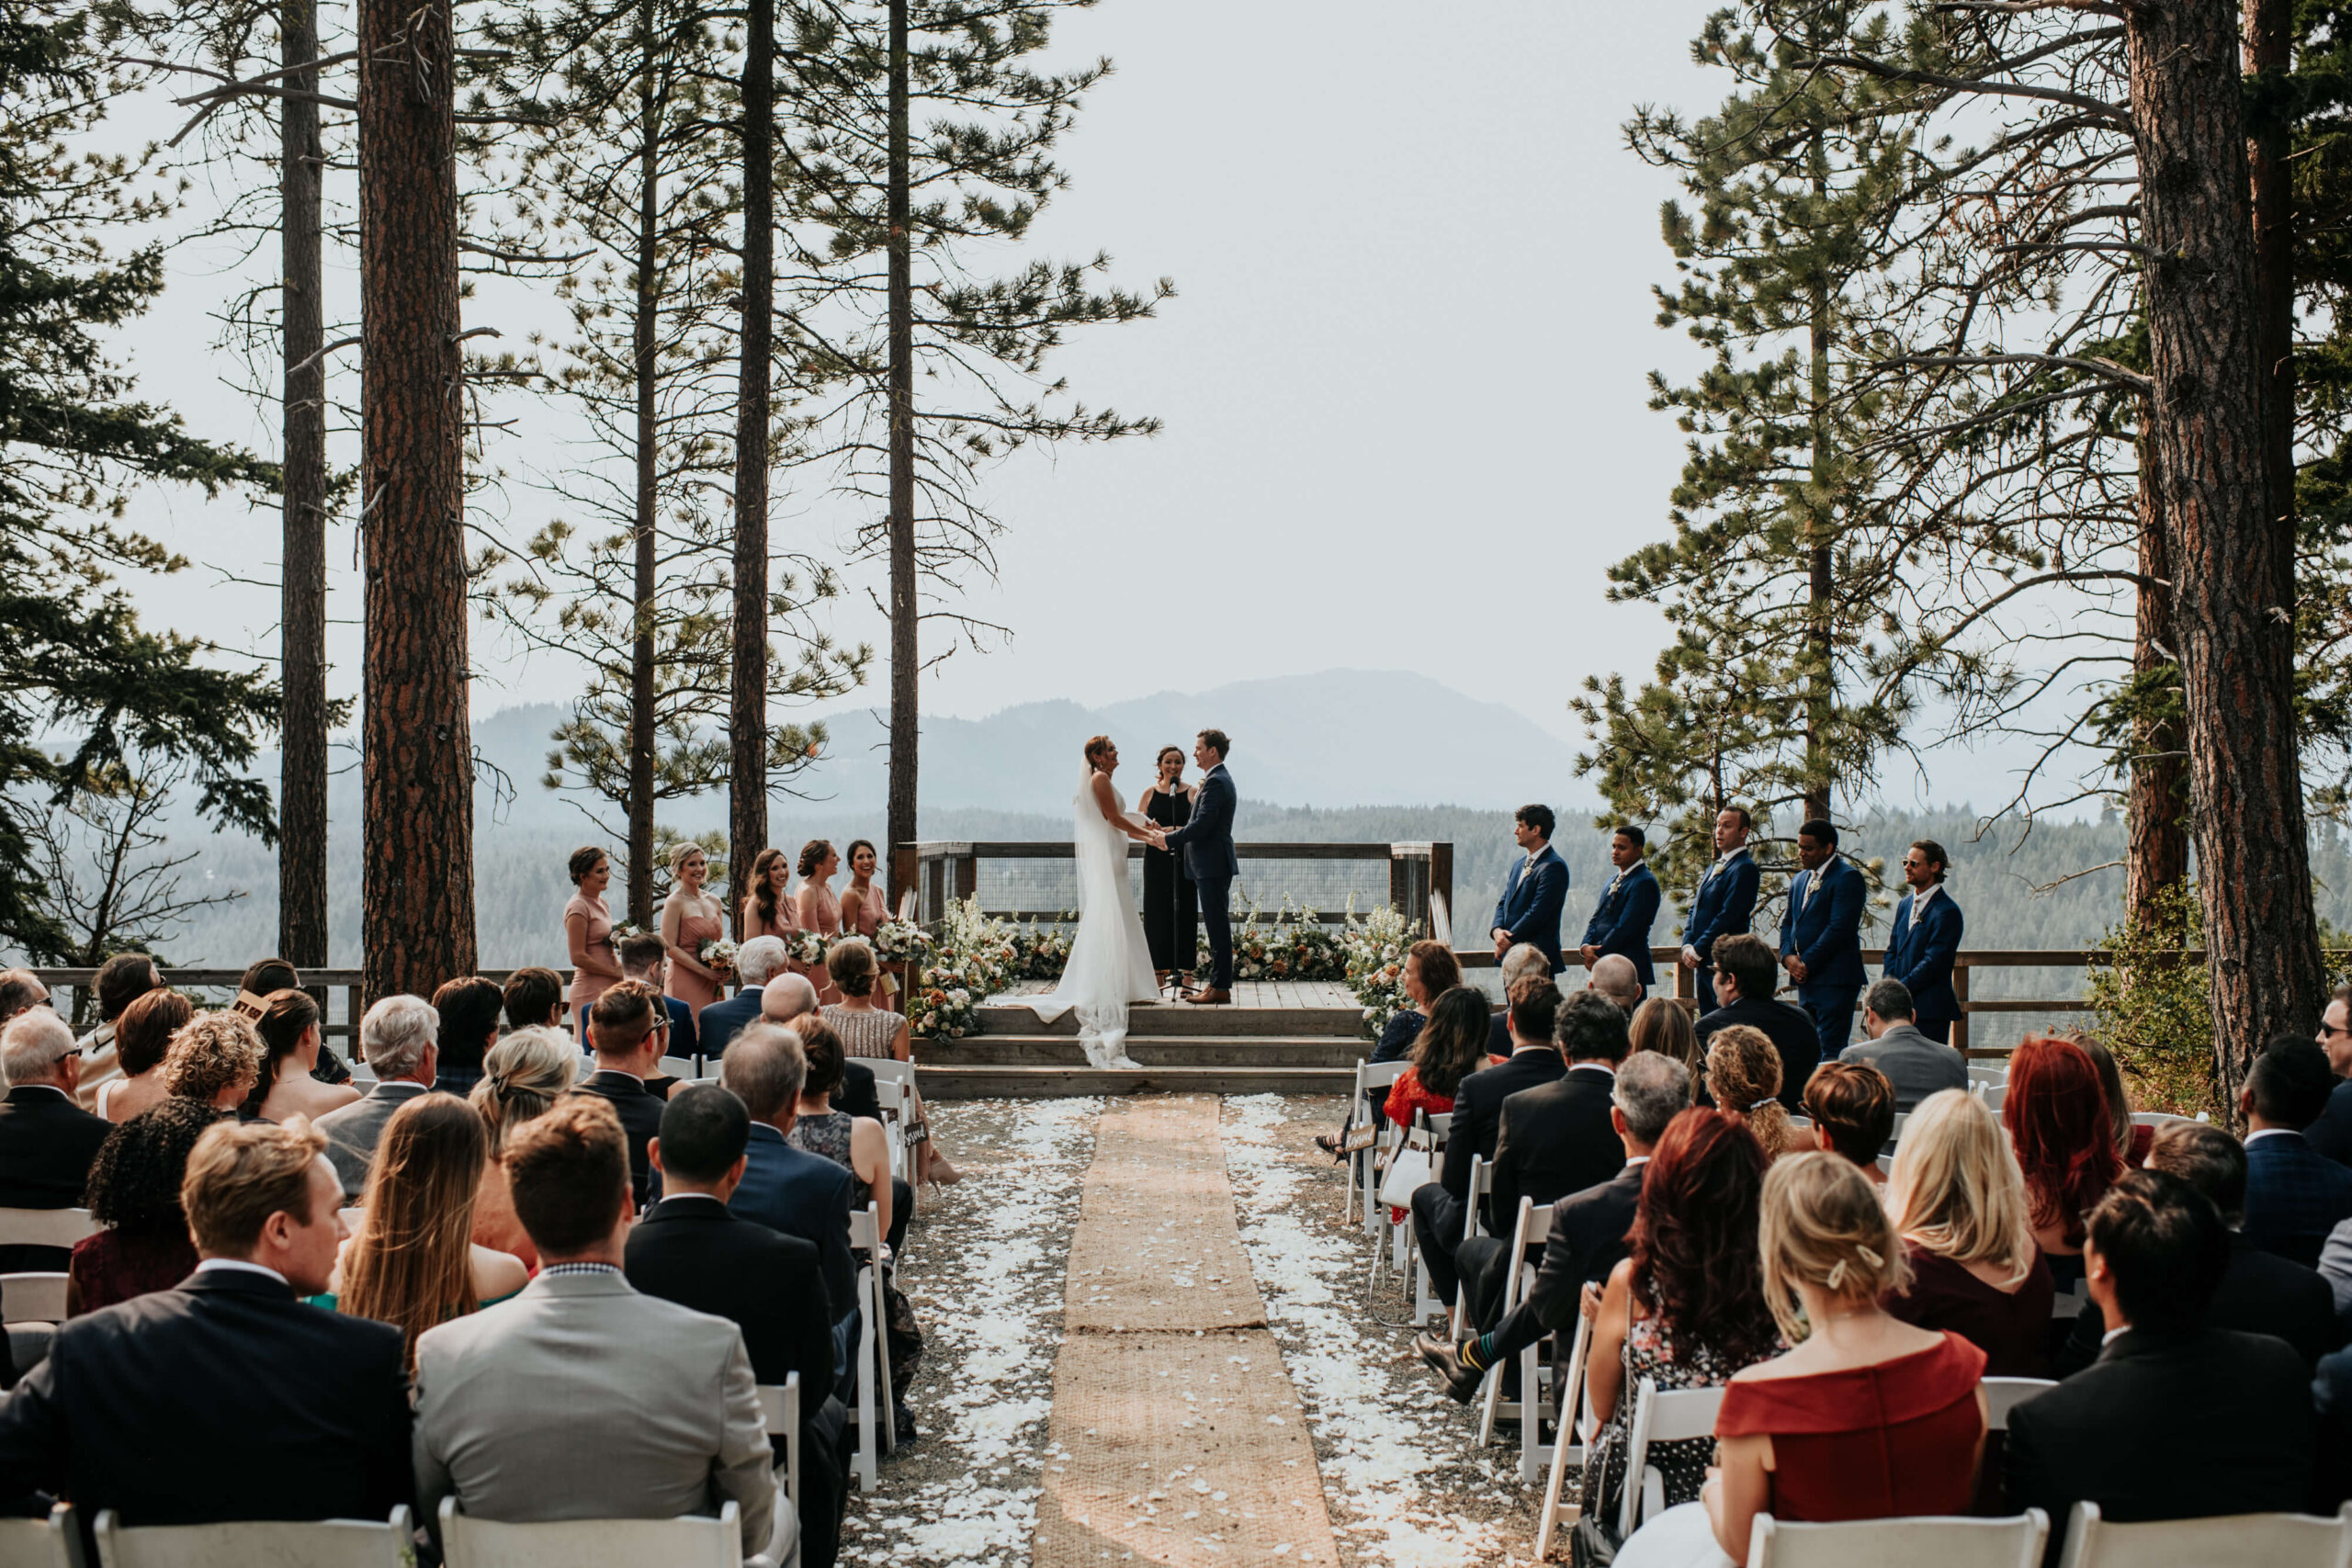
point(901, 941)
point(717, 953)
point(808, 947)
point(624, 930)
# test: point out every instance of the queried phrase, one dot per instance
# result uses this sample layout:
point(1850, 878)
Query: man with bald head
point(1614, 976)
point(788, 997)
point(791, 995)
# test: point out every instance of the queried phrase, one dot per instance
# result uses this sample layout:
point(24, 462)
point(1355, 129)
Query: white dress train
point(1110, 962)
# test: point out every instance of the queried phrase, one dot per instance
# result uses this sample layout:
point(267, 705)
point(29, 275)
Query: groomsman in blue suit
point(1724, 904)
point(1925, 939)
point(1821, 941)
point(1628, 908)
point(1535, 891)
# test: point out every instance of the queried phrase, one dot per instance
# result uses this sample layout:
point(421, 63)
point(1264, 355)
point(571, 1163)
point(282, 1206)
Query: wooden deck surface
point(1246, 994)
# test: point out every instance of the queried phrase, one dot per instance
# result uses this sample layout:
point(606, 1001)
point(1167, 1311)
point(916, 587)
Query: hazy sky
point(1403, 377)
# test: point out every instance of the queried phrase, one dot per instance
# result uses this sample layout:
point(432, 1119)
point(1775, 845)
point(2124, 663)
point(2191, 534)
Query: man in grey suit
point(1917, 1066)
point(400, 1037)
point(581, 1398)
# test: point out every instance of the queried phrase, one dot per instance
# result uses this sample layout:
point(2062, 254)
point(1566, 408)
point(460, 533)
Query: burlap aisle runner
point(1176, 1435)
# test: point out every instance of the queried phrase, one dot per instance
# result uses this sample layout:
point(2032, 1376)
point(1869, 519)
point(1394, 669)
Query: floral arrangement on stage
point(717, 953)
point(1375, 966)
point(1293, 946)
point(1044, 950)
point(970, 959)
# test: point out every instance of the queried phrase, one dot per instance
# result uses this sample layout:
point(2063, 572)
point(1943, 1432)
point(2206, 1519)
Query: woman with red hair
point(2058, 1123)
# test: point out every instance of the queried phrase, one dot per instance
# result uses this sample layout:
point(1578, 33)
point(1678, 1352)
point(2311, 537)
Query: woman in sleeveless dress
point(856, 1143)
point(767, 907)
point(691, 917)
point(588, 936)
point(817, 907)
point(1171, 908)
point(1110, 962)
point(864, 906)
point(868, 1028)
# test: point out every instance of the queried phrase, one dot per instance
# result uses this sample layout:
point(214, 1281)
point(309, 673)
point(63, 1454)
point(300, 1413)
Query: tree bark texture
point(2233, 567)
point(2269, 38)
point(641, 674)
point(2157, 855)
point(303, 582)
point(906, 653)
point(417, 918)
point(747, 806)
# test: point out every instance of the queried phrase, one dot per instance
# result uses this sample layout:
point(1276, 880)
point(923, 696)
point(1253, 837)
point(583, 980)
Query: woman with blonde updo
point(1867, 1419)
point(868, 1028)
point(1744, 1078)
point(523, 1075)
point(690, 917)
point(292, 1035)
point(215, 1058)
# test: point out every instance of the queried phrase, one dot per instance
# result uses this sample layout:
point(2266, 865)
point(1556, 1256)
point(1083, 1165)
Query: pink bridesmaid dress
point(691, 989)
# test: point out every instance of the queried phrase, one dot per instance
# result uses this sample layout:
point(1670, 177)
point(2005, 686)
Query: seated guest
point(2332, 1133)
point(622, 1025)
point(2111, 1434)
point(1687, 1308)
point(856, 1144)
point(868, 1028)
point(1429, 971)
point(1744, 1078)
point(398, 1039)
point(120, 981)
point(48, 1142)
point(1663, 1024)
point(692, 1250)
point(196, 1405)
point(1917, 1066)
point(20, 992)
point(1746, 975)
point(643, 958)
point(533, 998)
point(1853, 1107)
point(414, 1263)
point(1588, 1232)
point(581, 1398)
point(469, 1007)
point(214, 1057)
point(290, 1040)
point(2294, 1194)
point(1616, 980)
point(263, 978)
point(523, 1076)
point(1452, 1045)
point(1519, 961)
point(2056, 1116)
point(757, 962)
point(134, 1193)
point(2259, 1293)
point(1438, 1206)
point(2131, 1140)
point(1957, 1201)
point(791, 995)
point(787, 1189)
point(1867, 1419)
point(142, 1035)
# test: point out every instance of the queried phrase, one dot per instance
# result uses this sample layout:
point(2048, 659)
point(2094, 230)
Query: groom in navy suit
point(1208, 842)
point(1628, 908)
point(1821, 940)
point(1925, 939)
point(1724, 903)
point(1535, 890)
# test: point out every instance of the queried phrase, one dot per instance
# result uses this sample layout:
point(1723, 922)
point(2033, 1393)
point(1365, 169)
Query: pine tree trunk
point(417, 920)
point(746, 808)
point(640, 683)
point(2157, 856)
point(905, 615)
point(2232, 569)
point(2269, 35)
point(302, 590)
point(1821, 696)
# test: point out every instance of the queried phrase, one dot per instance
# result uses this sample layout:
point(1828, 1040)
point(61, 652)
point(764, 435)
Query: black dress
point(1171, 908)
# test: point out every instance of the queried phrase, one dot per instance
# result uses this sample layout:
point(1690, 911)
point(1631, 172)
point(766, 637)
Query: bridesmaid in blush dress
point(691, 917)
point(865, 906)
point(818, 909)
point(768, 908)
point(588, 936)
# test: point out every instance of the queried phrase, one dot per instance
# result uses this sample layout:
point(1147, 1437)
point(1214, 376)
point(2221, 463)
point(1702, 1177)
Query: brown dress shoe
point(1215, 995)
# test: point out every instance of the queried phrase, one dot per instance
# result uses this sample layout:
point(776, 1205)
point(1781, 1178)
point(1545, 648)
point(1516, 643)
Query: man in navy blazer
point(785, 1186)
point(1535, 891)
point(2294, 1194)
point(1621, 922)
point(1207, 843)
point(757, 962)
point(1821, 940)
point(1924, 940)
point(1724, 904)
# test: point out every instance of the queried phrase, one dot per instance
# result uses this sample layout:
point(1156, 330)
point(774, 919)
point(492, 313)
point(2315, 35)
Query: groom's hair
point(1215, 741)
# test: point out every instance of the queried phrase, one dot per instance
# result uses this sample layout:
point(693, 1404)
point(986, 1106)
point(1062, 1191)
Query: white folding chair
point(1993, 1094)
point(689, 1542)
point(2070, 1303)
point(52, 1543)
point(1531, 1228)
point(780, 1404)
point(1428, 1132)
point(875, 1435)
point(1481, 1183)
point(1895, 1133)
point(2004, 1394)
point(680, 1067)
point(2162, 1118)
point(32, 1298)
point(323, 1543)
point(45, 1227)
point(1372, 1079)
point(890, 1069)
point(362, 1074)
point(1569, 1448)
point(892, 1096)
point(1670, 1416)
point(2234, 1540)
point(1985, 1072)
point(1946, 1542)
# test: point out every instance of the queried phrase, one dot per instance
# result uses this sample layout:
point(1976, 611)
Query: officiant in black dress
point(1171, 913)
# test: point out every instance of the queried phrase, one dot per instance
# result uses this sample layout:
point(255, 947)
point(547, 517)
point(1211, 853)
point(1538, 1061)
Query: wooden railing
point(330, 986)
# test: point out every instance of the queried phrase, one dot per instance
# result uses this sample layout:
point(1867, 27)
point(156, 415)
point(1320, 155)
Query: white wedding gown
point(1110, 963)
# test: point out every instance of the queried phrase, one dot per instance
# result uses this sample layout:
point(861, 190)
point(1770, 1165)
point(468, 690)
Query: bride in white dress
point(1110, 963)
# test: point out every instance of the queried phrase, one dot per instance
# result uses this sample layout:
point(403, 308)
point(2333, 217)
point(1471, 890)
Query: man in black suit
point(2332, 1133)
point(757, 962)
point(622, 1025)
point(785, 1186)
point(2294, 1194)
point(47, 1141)
point(1746, 975)
point(692, 1250)
point(1588, 1229)
point(2113, 1433)
point(2260, 1292)
point(788, 997)
point(1438, 1206)
point(195, 1404)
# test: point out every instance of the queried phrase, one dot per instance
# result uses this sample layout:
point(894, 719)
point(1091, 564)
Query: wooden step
point(1165, 1019)
point(1035, 1049)
point(1058, 1082)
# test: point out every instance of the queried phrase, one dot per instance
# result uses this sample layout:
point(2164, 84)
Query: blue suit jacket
point(1533, 899)
point(1621, 922)
point(1828, 935)
point(787, 1189)
point(1920, 956)
point(722, 1020)
point(1207, 839)
point(1723, 906)
point(681, 1027)
point(2294, 1196)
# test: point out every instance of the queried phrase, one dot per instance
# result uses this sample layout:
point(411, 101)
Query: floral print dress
point(1650, 1353)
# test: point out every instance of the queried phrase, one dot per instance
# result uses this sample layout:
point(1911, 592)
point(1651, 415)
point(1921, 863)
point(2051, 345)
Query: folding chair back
point(1569, 1445)
point(2164, 1118)
point(2255, 1540)
point(876, 1424)
point(2004, 1394)
point(689, 1542)
point(1948, 1542)
point(780, 1404)
point(1668, 1416)
point(52, 1543)
point(680, 1067)
point(889, 1069)
point(32, 1298)
point(45, 1227)
point(326, 1543)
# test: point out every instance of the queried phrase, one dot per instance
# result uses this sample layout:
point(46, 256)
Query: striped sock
point(1476, 1353)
